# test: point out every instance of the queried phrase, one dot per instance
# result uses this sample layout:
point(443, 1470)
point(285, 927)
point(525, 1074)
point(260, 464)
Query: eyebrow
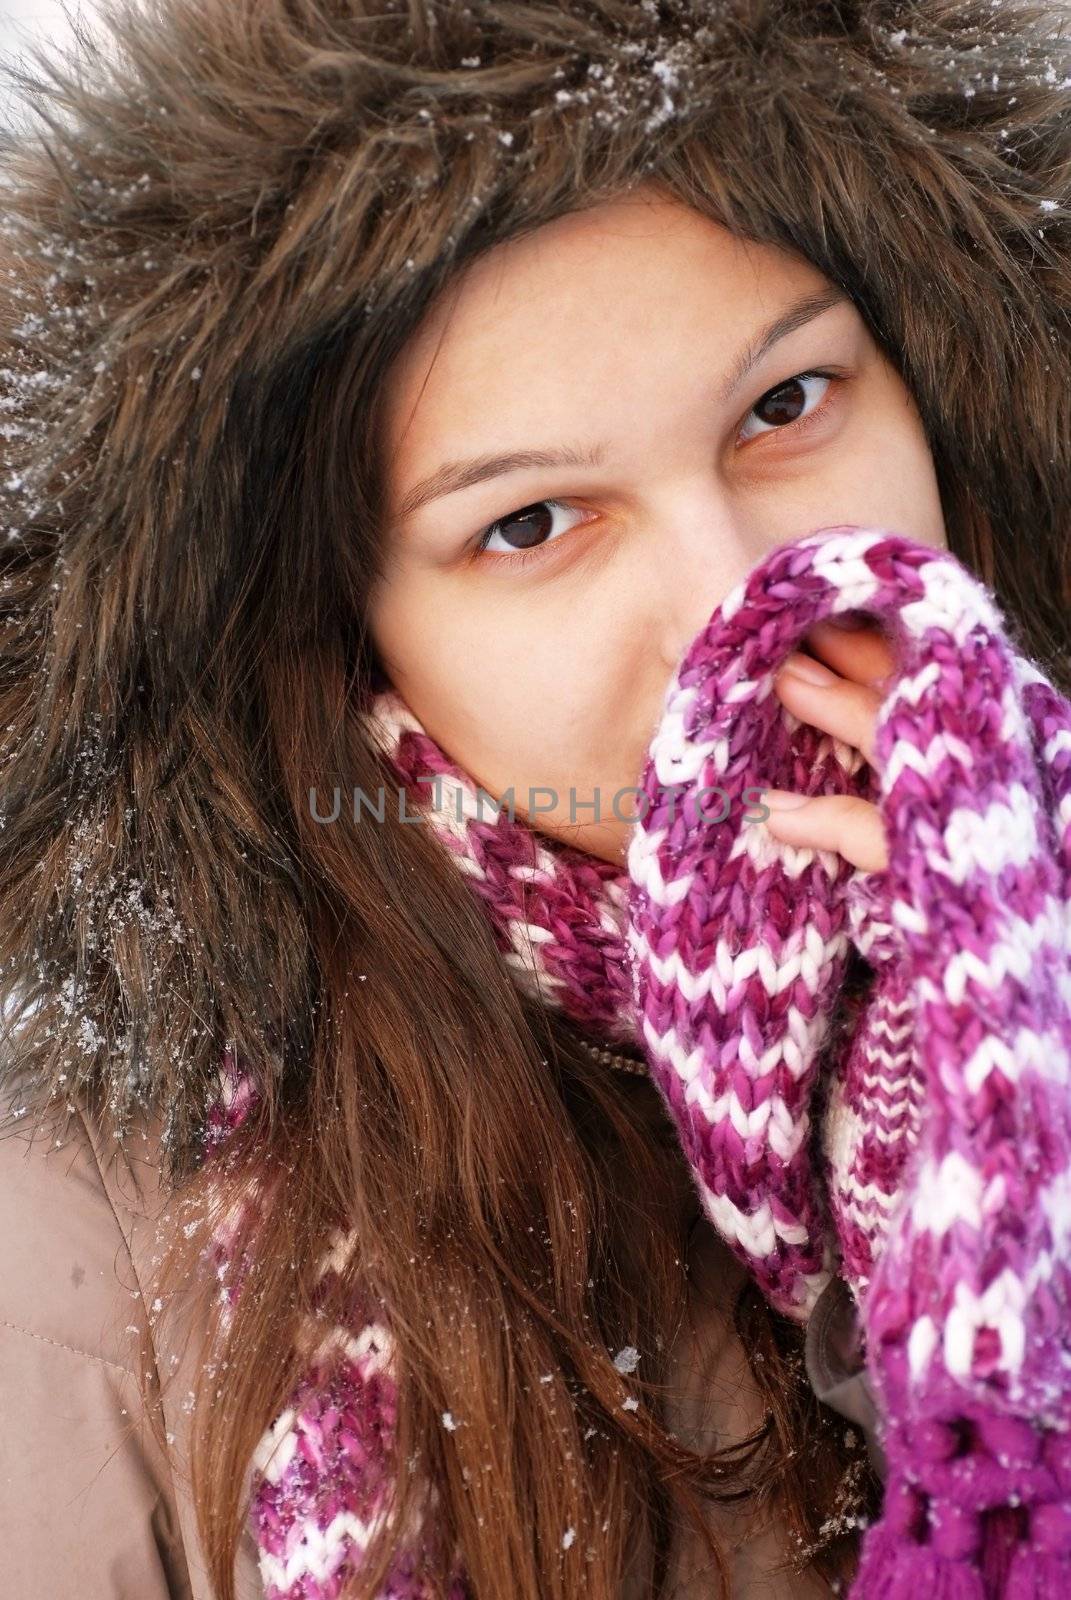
point(457, 475)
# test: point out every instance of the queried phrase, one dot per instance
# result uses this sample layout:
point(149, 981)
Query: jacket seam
point(115, 1214)
point(31, 1333)
point(137, 1280)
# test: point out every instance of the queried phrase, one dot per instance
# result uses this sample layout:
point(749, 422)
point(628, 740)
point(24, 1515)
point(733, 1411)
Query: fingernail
point(783, 799)
point(807, 668)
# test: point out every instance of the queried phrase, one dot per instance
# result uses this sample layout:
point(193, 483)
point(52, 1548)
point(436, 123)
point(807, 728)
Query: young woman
point(474, 353)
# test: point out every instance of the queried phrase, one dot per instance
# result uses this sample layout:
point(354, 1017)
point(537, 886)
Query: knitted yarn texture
point(926, 1158)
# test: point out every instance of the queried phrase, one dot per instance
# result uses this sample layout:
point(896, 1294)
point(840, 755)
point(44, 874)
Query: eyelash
point(522, 558)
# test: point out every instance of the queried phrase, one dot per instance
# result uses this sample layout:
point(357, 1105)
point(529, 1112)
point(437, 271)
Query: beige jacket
point(90, 1508)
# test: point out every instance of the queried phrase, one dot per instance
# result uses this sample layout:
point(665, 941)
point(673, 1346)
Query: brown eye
point(783, 405)
point(790, 402)
point(526, 529)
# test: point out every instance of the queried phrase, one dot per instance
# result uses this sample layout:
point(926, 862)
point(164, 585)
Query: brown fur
point(210, 251)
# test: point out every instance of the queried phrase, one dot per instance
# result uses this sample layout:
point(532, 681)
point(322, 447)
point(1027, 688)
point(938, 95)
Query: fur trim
point(233, 194)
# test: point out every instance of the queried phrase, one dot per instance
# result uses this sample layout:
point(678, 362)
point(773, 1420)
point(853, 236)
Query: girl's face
point(588, 443)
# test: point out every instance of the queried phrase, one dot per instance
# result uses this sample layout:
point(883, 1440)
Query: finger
point(840, 822)
point(863, 655)
point(837, 706)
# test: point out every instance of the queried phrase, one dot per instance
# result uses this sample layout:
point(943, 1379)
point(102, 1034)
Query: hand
point(846, 707)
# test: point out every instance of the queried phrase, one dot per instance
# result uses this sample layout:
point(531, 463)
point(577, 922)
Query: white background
point(25, 21)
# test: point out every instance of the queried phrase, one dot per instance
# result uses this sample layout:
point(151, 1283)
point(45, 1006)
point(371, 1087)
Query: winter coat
point(89, 1505)
point(79, 1219)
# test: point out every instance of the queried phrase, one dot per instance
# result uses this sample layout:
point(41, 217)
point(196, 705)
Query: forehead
point(594, 299)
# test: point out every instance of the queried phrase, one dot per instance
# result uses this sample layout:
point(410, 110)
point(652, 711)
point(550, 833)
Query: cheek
point(923, 513)
point(904, 470)
point(526, 694)
point(888, 478)
point(506, 692)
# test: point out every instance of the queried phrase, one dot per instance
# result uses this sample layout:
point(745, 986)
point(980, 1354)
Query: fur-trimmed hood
point(233, 197)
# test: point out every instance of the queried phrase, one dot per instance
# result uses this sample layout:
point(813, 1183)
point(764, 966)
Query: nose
point(701, 558)
point(705, 556)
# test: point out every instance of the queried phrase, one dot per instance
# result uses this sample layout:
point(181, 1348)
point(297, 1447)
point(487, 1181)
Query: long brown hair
point(209, 258)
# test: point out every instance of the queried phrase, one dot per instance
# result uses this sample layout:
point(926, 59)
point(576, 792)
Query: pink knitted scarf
point(937, 1180)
